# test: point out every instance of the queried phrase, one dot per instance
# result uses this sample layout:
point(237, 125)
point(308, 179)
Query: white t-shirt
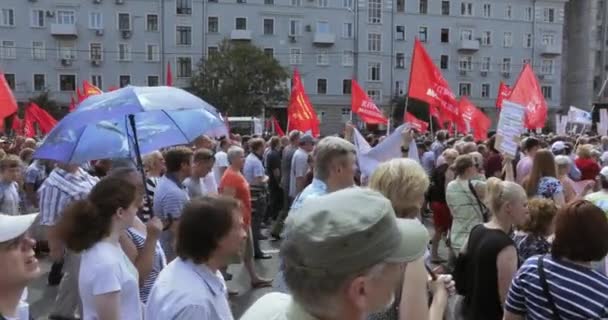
point(299, 167)
point(105, 268)
point(221, 161)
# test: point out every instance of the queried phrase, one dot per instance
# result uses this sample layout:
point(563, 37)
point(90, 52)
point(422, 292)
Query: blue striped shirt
point(158, 263)
point(578, 292)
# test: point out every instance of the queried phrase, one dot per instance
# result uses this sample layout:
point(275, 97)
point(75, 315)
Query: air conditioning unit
point(97, 1)
point(126, 34)
point(120, 1)
point(96, 62)
point(50, 14)
point(99, 32)
point(484, 73)
point(463, 72)
point(66, 62)
point(292, 38)
point(308, 28)
point(506, 74)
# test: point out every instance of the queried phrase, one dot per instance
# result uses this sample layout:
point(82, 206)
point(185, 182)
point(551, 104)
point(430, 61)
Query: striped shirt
point(578, 292)
point(158, 264)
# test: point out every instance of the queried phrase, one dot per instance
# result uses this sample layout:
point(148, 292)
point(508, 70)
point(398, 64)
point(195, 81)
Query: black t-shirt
point(273, 161)
point(437, 189)
point(482, 301)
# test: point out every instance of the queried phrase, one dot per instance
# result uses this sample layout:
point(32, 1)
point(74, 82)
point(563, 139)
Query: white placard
point(510, 127)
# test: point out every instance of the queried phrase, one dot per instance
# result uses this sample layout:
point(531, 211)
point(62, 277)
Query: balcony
point(325, 39)
point(64, 30)
point(243, 35)
point(469, 45)
point(551, 50)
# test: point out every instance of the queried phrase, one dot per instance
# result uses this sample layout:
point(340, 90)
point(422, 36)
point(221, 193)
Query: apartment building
point(56, 44)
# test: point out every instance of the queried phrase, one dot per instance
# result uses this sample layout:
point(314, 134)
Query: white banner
point(580, 116)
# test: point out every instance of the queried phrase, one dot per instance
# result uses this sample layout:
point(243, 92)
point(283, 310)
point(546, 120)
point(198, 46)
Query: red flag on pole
point(8, 103)
point(169, 81)
point(45, 121)
point(17, 125)
point(113, 88)
point(364, 106)
point(477, 121)
point(503, 93)
point(427, 83)
point(277, 127)
point(527, 93)
point(415, 123)
point(28, 126)
point(80, 95)
point(301, 114)
point(72, 104)
point(89, 89)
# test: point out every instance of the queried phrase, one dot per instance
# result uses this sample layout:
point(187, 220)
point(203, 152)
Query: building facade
point(54, 45)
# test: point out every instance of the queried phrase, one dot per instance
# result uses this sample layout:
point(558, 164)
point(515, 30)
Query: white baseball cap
point(558, 146)
point(604, 172)
point(12, 227)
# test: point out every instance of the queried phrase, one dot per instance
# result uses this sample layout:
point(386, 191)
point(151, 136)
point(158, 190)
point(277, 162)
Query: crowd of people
point(461, 232)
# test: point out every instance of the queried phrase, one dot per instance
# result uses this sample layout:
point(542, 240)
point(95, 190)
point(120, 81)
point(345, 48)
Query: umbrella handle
point(139, 162)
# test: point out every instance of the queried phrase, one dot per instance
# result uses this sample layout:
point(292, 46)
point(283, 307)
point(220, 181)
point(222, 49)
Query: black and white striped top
point(159, 263)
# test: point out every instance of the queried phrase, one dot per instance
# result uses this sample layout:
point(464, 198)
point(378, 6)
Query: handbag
point(545, 285)
point(485, 213)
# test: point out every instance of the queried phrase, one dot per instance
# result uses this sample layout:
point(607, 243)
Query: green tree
point(240, 79)
point(46, 102)
point(417, 108)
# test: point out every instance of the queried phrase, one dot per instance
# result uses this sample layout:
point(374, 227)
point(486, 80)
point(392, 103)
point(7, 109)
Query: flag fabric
point(415, 123)
point(364, 106)
point(72, 104)
point(169, 81)
point(277, 127)
point(8, 103)
point(44, 120)
point(89, 89)
point(527, 93)
point(113, 88)
point(28, 126)
point(427, 83)
point(503, 93)
point(17, 125)
point(80, 95)
point(300, 113)
point(472, 119)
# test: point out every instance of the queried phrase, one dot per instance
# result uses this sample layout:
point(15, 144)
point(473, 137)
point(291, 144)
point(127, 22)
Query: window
point(268, 26)
point(183, 7)
point(466, 34)
point(444, 62)
point(547, 92)
point(507, 41)
point(346, 86)
point(348, 58)
point(464, 89)
point(95, 20)
point(445, 35)
point(508, 11)
point(124, 52)
point(486, 38)
point(423, 34)
point(8, 18)
point(212, 50)
point(375, 94)
point(124, 21)
point(548, 39)
point(37, 18)
point(399, 86)
point(66, 50)
point(96, 81)
point(347, 30)
point(65, 17)
point(487, 10)
point(400, 60)
point(8, 50)
point(95, 51)
point(485, 63)
point(322, 3)
point(346, 116)
point(153, 81)
point(213, 24)
point(295, 27)
point(546, 66)
point(528, 14)
point(124, 80)
point(374, 12)
point(526, 61)
point(152, 22)
point(152, 52)
point(184, 35)
point(466, 9)
point(184, 67)
point(10, 79)
point(485, 90)
point(374, 42)
point(465, 63)
point(506, 65)
point(322, 27)
point(373, 71)
point(269, 52)
point(67, 82)
point(400, 5)
point(321, 86)
point(296, 3)
point(423, 6)
point(321, 116)
point(241, 1)
point(269, 2)
point(400, 33)
point(38, 50)
point(295, 56)
point(528, 41)
point(549, 15)
point(323, 58)
point(240, 23)
point(39, 82)
point(347, 4)
point(445, 8)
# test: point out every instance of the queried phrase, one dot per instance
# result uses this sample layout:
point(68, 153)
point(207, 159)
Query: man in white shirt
point(202, 181)
point(221, 160)
point(299, 165)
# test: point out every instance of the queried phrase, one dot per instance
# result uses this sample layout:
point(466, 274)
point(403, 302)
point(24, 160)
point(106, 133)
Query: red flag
point(113, 88)
point(277, 127)
point(45, 121)
point(478, 122)
point(28, 126)
point(415, 123)
point(89, 89)
point(364, 106)
point(503, 93)
point(80, 95)
point(527, 93)
point(8, 103)
point(17, 125)
point(72, 104)
point(427, 83)
point(169, 81)
point(300, 113)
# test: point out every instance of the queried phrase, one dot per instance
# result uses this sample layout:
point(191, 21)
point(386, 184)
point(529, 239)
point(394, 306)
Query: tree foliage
point(417, 108)
point(46, 102)
point(240, 79)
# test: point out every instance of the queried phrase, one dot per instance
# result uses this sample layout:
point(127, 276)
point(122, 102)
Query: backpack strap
point(545, 285)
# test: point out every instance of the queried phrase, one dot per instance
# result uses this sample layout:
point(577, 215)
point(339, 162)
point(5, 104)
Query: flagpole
point(431, 123)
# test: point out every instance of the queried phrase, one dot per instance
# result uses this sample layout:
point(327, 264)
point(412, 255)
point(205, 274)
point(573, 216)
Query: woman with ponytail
point(108, 281)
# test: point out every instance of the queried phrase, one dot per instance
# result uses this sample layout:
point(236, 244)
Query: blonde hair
point(500, 192)
point(148, 160)
point(403, 181)
point(584, 151)
point(450, 153)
